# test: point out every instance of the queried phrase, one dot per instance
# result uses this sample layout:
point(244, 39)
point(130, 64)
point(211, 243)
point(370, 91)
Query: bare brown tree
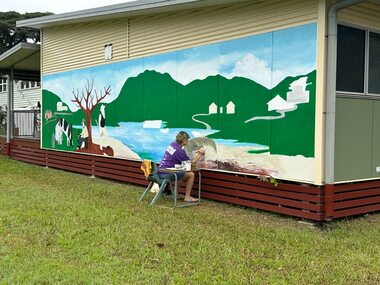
point(88, 101)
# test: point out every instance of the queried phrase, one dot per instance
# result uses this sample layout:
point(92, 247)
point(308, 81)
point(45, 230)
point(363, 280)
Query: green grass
point(63, 228)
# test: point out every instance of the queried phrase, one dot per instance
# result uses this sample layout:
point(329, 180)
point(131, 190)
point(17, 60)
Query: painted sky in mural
point(248, 57)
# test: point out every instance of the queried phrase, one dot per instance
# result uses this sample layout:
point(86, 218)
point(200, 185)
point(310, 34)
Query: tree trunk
point(89, 128)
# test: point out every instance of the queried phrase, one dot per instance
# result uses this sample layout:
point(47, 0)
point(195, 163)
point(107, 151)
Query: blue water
point(152, 143)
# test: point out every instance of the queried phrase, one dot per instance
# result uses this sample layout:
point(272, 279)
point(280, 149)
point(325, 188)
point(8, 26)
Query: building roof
point(23, 59)
point(128, 9)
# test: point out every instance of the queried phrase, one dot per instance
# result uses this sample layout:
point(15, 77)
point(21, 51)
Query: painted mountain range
point(155, 96)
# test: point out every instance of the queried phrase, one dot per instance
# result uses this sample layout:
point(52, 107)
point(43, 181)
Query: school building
point(286, 93)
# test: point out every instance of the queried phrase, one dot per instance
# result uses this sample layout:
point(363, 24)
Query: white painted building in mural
point(279, 104)
point(213, 108)
point(298, 93)
point(61, 107)
point(230, 108)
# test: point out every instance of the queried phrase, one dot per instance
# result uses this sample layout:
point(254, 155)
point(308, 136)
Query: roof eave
point(22, 45)
point(23, 61)
point(128, 9)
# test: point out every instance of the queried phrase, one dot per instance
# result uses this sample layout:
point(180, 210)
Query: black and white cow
point(102, 122)
point(63, 127)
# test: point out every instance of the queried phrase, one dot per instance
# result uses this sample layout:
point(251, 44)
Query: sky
point(266, 59)
point(54, 6)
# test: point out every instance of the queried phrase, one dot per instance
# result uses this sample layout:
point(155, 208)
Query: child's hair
point(181, 137)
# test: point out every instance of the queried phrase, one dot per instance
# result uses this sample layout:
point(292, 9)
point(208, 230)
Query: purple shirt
point(174, 155)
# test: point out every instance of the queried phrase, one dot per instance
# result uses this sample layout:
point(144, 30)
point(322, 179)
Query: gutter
point(331, 88)
point(140, 7)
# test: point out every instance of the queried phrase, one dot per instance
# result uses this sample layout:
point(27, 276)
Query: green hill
point(250, 100)
point(155, 96)
point(295, 133)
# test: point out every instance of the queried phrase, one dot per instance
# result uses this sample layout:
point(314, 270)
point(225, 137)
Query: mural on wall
point(250, 101)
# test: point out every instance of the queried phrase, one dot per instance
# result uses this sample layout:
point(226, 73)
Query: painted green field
point(63, 228)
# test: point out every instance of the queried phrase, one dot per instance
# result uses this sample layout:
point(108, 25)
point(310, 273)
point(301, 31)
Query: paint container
point(186, 165)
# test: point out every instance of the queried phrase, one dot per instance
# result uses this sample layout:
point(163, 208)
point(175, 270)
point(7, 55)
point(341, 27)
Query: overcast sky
point(54, 6)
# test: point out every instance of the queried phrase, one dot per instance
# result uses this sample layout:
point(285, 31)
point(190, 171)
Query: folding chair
point(154, 178)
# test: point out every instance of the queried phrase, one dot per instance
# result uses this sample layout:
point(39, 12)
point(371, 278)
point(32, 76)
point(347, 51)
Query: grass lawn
point(63, 228)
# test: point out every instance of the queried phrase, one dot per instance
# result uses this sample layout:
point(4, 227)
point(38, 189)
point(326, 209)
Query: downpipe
point(331, 104)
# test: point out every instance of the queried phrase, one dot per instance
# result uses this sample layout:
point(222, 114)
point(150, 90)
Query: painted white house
point(61, 107)
point(213, 108)
point(298, 93)
point(230, 108)
point(279, 104)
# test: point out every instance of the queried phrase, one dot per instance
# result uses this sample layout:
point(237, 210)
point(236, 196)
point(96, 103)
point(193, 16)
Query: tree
point(10, 35)
point(87, 102)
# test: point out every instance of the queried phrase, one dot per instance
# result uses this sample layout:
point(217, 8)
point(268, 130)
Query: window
point(358, 61)
point(108, 52)
point(3, 85)
point(374, 63)
point(350, 59)
point(29, 84)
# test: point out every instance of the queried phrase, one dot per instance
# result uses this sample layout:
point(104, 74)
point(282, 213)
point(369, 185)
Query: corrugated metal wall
point(81, 45)
point(365, 14)
point(191, 28)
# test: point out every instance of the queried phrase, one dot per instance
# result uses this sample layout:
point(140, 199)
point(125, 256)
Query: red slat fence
point(4, 147)
point(356, 198)
point(304, 201)
point(118, 169)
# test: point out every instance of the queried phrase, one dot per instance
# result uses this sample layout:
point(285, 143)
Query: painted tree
point(87, 100)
